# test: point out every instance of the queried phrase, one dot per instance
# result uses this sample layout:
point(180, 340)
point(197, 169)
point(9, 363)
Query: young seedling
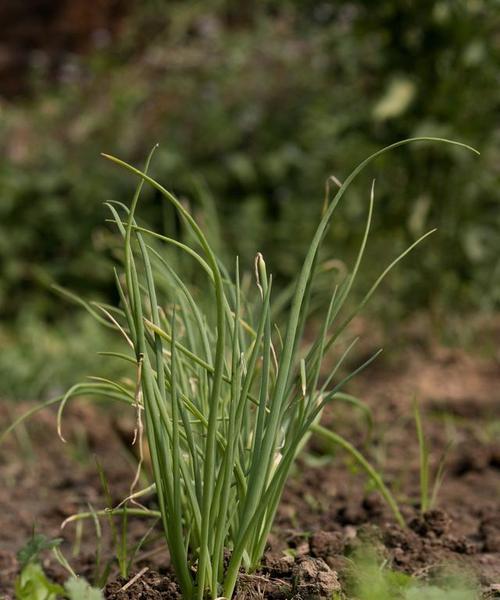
point(32, 582)
point(428, 490)
point(371, 578)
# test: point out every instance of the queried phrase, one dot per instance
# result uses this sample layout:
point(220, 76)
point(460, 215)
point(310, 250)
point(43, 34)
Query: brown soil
point(328, 508)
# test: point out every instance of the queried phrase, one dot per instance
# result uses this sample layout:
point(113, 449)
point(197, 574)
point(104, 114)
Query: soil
point(328, 509)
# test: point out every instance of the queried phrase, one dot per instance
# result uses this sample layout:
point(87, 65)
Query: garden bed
point(328, 508)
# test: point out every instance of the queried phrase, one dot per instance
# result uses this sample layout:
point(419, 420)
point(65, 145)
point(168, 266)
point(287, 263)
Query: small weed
point(371, 578)
point(33, 584)
point(428, 490)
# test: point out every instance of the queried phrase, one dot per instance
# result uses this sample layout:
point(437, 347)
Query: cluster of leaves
point(33, 584)
point(228, 392)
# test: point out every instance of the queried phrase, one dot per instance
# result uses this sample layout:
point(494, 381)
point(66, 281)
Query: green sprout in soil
point(32, 582)
point(371, 578)
point(225, 396)
point(428, 489)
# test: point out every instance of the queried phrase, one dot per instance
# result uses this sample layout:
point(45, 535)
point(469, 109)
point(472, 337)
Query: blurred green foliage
point(371, 578)
point(254, 106)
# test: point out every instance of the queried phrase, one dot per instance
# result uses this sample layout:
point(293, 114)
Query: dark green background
point(254, 106)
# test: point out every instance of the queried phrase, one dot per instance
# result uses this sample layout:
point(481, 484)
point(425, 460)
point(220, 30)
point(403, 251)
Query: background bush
point(254, 107)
